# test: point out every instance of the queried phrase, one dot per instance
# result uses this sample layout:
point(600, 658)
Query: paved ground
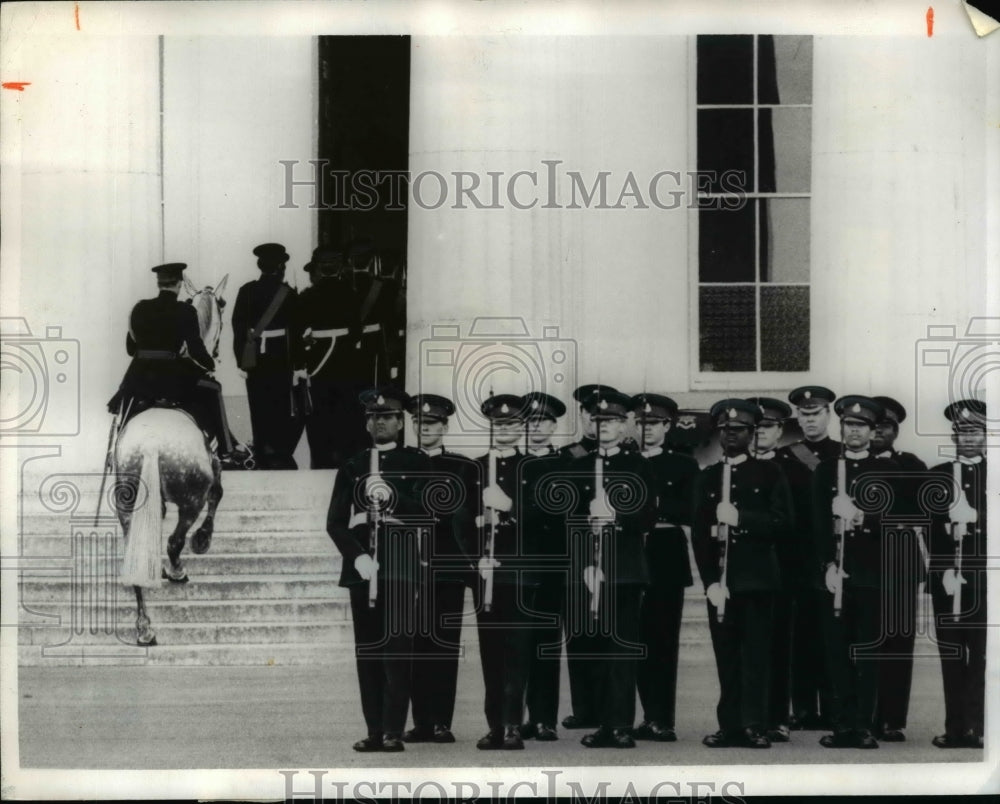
point(302, 717)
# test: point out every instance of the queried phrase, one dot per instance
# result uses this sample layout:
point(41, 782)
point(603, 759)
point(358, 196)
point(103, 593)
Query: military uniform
point(542, 466)
point(853, 670)
point(669, 573)
point(170, 362)
point(326, 316)
point(607, 559)
point(810, 685)
point(448, 554)
point(375, 297)
point(962, 640)
point(759, 494)
point(904, 572)
point(383, 629)
point(266, 351)
point(504, 622)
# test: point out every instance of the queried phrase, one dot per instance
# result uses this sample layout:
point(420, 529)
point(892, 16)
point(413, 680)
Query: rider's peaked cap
point(387, 399)
point(539, 405)
point(170, 272)
point(431, 407)
point(270, 254)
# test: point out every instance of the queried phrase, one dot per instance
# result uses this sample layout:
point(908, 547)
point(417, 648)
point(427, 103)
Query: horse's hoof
point(166, 576)
point(200, 543)
point(150, 644)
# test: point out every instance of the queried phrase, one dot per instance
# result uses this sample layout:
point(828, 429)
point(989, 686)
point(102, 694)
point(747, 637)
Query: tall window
point(754, 115)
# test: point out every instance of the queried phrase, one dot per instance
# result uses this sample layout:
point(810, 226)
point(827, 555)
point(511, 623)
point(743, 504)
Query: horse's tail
point(141, 564)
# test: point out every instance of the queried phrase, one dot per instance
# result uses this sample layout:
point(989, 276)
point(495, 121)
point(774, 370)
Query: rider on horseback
point(170, 364)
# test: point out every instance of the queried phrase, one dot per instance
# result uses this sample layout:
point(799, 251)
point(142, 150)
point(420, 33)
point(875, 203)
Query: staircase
point(265, 594)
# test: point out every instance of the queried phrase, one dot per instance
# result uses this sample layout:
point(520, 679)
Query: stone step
point(242, 564)
point(39, 586)
point(226, 520)
point(236, 542)
point(122, 610)
point(273, 633)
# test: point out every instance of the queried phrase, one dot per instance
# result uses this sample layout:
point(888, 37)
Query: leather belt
point(269, 333)
point(155, 354)
point(665, 525)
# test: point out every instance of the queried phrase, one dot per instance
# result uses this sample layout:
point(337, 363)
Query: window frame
point(700, 380)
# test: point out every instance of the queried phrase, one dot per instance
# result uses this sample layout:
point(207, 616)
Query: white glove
point(716, 594)
point(600, 508)
point(376, 489)
point(494, 497)
point(242, 373)
point(952, 581)
point(366, 566)
point(726, 514)
point(486, 564)
point(592, 576)
point(844, 507)
point(962, 513)
point(832, 574)
point(300, 374)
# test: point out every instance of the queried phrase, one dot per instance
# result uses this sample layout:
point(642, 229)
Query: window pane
point(725, 143)
point(784, 329)
point(784, 240)
point(725, 69)
point(726, 245)
point(793, 57)
point(792, 149)
point(728, 329)
point(767, 78)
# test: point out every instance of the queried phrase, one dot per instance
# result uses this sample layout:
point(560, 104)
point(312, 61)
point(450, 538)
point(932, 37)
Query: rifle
point(491, 478)
point(301, 398)
point(957, 534)
point(595, 597)
point(722, 534)
point(840, 533)
point(374, 522)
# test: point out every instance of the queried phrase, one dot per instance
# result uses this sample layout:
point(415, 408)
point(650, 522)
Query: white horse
point(160, 456)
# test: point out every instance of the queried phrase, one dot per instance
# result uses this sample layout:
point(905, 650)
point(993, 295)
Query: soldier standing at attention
point(578, 645)
point(266, 345)
point(742, 510)
point(448, 558)
point(669, 566)
point(617, 501)
point(548, 534)
point(810, 684)
point(504, 597)
point(849, 542)
point(381, 563)
point(958, 569)
point(902, 578)
point(325, 317)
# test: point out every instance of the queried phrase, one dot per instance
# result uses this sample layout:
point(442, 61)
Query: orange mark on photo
point(930, 21)
point(18, 85)
point(76, 15)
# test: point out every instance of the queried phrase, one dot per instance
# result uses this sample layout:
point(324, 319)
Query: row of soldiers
point(810, 555)
point(307, 356)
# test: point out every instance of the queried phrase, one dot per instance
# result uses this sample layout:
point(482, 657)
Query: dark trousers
point(614, 650)
point(742, 645)
point(781, 659)
point(899, 629)
point(545, 656)
point(210, 413)
point(275, 432)
point(962, 646)
point(504, 648)
point(580, 652)
point(383, 646)
point(660, 622)
point(810, 682)
point(435, 652)
point(852, 643)
point(336, 427)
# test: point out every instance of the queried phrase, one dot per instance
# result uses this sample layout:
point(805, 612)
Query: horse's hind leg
point(185, 518)
point(145, 635)
point(202, 538)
